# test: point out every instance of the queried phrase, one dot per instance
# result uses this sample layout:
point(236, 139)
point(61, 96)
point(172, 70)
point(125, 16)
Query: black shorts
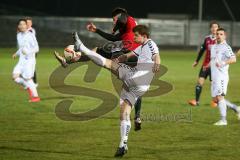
point(205, 73)
point(131, 61)
point(107, 54)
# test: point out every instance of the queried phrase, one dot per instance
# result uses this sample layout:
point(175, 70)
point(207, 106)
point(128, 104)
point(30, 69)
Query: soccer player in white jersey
point(24, 70)
point(221, 56)
point(32, 30)
point(136, 80)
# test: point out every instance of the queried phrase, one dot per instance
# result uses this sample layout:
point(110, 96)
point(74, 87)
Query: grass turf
point(33, 131)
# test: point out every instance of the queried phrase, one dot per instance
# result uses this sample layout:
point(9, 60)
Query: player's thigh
point(124, 71)
point(17, 71)
point(113, 66)
point(28, 71)
point(219, 87)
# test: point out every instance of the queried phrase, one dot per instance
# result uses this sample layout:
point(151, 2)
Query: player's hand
point(206, 67)
point(195, 63)
point(220, 64)
point(14, 56)
point(238, 53)
point(91, 27)
point(156, 67)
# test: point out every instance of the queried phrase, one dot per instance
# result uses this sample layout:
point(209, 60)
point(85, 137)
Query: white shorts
point(219, 87)
point(132, 95)
point(134, 87)
point(26, 69)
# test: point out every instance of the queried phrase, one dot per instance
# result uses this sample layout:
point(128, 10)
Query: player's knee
point(200, 81)
point(95, 49)
point(17, 79)
point(219, 98)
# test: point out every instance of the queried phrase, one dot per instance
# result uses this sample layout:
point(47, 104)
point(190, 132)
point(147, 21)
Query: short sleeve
point(153, 47)
point(229, 53)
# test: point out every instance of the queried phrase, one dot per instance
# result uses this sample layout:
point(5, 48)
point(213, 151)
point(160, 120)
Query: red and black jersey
point(127, 35)
point(209, 41)
point(124, 25)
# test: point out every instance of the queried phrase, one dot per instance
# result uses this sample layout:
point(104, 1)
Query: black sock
point(137, 106)
point(35, 77)
point(198, 91)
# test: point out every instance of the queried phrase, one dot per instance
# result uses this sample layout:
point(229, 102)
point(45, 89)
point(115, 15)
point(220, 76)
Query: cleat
point(238, 112)
point(60, 59)
point(137, 124)
point(77, 42)
point(213, 104)
point(121, 151)
point(193, 102)
point(221, 123)
point(34, 99)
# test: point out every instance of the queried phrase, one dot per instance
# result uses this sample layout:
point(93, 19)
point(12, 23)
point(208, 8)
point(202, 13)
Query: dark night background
point(212, 9)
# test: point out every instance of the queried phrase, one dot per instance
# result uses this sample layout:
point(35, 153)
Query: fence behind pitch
point(56, 31)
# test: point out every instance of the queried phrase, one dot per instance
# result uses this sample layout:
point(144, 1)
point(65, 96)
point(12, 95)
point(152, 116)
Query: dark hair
point(118, 10)
point(221, 29)
point(20, 20)
point(214, 22)
point(142, 30)
point(28, 18)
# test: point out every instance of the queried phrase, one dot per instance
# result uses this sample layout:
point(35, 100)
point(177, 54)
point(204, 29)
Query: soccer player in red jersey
point(205, 71)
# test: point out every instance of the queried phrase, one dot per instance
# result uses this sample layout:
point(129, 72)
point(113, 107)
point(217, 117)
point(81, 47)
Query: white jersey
point(220, 53)
point(146, 51)
point(32, 30)
point(27, 46)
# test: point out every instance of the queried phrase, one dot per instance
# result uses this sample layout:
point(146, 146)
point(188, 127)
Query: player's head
point(22, 25)
point(117, 12)
point(141, 33)
point(29, 21)
point(214, 25)
point(221, 35)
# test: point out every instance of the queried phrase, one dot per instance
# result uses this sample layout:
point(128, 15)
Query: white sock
point(32, 87)
point(21, 81)
point(95, 57)
point(124, 130)
point(223, 109)
point(231, 105)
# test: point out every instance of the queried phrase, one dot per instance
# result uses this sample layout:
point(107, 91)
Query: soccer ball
point(70, 54)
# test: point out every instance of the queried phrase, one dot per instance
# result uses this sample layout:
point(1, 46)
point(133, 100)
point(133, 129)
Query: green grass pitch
point(33, 131)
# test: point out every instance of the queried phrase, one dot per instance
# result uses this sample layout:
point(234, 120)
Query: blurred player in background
point(205, 71)
point(123, 36)
point(24, 70)
point(32, 30)
point(136, 80)
point(221, 56)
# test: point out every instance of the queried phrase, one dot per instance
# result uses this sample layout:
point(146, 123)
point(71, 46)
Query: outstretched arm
point(111, 37)
point(108, 36)
point(124, 57)
point(157, 61)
